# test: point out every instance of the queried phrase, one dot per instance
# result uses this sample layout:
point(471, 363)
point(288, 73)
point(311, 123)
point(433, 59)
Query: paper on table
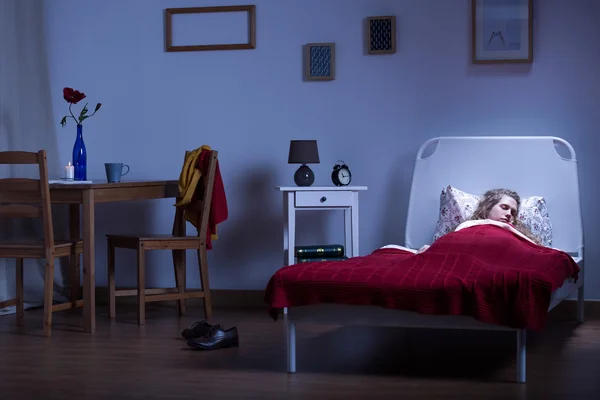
point(67, 182)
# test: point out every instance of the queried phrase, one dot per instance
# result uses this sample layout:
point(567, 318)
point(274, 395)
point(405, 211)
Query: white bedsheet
point(464, 225)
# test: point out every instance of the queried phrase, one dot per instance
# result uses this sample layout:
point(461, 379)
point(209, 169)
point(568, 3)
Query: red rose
point(73, 96)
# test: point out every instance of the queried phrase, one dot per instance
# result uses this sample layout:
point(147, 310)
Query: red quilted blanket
point(483, 271)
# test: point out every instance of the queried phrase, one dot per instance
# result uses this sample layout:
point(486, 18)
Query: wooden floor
point(125, 361)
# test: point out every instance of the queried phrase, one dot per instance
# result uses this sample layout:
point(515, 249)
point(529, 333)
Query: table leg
point(349, 252)
point(289, 228)
point(89, 269)
point(354, 224)
point(289, 231)
point(179, 258)
point(74, 235)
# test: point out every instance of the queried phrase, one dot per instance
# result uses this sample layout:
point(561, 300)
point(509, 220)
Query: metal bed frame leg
point(580, 304)
point(291, 343)
point(521, 355)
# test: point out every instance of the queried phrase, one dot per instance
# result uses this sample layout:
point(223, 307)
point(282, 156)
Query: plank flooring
point(123, 360)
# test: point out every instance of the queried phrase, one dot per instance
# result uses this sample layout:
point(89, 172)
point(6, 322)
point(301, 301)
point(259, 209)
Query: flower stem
point(71, 112)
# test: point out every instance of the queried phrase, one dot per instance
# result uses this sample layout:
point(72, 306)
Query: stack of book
point(320, 252)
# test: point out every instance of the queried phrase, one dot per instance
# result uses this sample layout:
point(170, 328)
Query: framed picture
point(319, 61)
point(502, 31)
point(231, 24)
point(380, 35)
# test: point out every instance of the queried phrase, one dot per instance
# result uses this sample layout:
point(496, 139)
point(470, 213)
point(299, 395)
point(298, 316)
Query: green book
point(319, 251)
point(304, 260)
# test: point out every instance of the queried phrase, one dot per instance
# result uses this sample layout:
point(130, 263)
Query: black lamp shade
point(303, 152)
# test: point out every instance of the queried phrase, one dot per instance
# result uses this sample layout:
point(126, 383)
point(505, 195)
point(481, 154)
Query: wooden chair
point(178, 242)
point(30, 198)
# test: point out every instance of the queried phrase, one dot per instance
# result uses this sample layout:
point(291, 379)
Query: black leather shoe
point(198, 329)
point(217, 338)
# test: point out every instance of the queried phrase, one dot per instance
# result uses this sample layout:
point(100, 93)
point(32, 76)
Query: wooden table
point(87, 195)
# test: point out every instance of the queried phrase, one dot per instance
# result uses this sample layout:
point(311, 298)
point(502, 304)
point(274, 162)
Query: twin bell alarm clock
point(341, 175)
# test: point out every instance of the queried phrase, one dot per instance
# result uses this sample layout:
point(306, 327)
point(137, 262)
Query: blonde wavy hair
point(493, 197)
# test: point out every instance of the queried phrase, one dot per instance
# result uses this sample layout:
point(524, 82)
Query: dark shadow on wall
point(395, 203)
point(6, 141)
point(254, 231)
point(127, 218)
point(26, 71)
point(27, 229)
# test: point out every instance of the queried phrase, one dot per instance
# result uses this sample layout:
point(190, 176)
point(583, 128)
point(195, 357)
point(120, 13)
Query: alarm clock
point(341, 175)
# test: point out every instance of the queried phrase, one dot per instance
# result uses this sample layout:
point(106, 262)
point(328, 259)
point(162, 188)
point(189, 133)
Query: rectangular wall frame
point(319, 61)
point(250, 44)
point(380, 35)
point(502, 33)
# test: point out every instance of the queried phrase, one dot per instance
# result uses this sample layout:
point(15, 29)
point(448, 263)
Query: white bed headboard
point(530, 165)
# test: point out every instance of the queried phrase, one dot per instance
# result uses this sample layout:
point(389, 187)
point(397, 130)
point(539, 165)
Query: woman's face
point(505, 210)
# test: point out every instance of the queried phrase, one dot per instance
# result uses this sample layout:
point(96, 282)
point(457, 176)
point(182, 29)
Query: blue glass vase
point(80, 156)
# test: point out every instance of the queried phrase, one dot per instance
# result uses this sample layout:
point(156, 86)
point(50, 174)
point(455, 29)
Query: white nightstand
point(300, 198)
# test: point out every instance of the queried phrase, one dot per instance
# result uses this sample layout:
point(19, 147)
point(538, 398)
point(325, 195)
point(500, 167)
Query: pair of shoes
point(216, 338)
point(198, 329)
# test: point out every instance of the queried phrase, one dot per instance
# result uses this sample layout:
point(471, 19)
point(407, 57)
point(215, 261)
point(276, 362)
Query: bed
point(514, 289)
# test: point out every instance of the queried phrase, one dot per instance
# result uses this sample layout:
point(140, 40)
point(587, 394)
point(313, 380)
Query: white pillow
point(457, 206)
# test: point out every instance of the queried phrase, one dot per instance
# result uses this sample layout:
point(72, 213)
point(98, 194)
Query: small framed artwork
point(319, 61)
point(502, 31)
point(380, 35)
point(210, 28)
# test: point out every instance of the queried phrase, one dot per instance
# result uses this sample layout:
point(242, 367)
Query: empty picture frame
point(319, 61)
point(250, 43)
point(380, 35)
point(501, 31)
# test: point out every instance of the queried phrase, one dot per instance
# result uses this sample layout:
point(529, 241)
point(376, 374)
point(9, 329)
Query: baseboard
point(221, 298)
point(567, 309)
point(255, 298)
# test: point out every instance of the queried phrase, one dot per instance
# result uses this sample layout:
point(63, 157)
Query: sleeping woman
point(501, 205)
point(498, 207)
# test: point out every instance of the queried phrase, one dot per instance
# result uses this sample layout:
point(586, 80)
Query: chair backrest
point(199, 207)
point(26, 197)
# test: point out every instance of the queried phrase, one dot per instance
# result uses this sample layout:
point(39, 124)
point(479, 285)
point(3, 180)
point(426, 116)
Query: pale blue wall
point(249, 104)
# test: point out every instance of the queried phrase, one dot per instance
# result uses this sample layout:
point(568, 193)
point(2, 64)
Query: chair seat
point(151, 236)
point(36, 249)
point(152, 241)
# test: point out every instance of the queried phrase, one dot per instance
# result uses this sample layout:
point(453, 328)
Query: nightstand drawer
point(323, 199)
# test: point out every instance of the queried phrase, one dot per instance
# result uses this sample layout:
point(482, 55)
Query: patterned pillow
point(457, 206)
point(534, 215)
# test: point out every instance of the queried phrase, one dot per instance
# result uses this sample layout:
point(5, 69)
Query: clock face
point(344, 176)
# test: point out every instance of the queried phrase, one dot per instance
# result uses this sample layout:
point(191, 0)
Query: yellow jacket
point(190, 175)
point(188, 181)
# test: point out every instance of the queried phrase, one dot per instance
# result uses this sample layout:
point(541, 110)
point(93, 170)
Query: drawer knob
point(323, 199)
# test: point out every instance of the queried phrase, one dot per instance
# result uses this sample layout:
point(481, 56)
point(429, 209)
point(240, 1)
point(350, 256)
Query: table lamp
point(303, 152)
